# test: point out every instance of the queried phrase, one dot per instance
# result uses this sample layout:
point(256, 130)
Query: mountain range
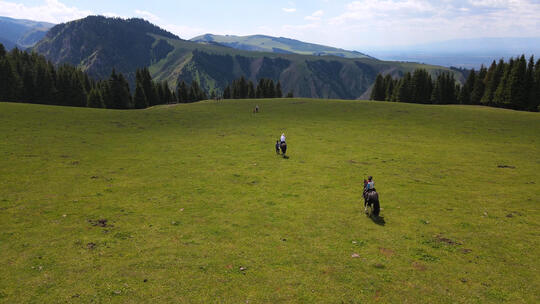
point(21, 33)
point(99, 44)
point(280, 45)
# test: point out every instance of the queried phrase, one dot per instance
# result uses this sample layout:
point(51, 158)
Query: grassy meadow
point(190, 204)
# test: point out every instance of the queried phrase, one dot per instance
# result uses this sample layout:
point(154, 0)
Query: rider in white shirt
point(283, 137)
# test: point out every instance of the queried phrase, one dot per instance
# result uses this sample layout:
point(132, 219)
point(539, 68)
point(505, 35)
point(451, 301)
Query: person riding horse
point(283, 145)
point(371, 197)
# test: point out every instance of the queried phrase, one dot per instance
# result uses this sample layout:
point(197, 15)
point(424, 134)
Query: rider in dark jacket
point(369, 185)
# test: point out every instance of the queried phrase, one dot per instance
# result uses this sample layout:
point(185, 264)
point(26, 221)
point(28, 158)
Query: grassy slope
point(194, 192)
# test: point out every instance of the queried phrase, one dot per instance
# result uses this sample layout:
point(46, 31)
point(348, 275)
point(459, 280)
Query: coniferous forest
point(242, 88)
point(514, 85)
point(30, 78)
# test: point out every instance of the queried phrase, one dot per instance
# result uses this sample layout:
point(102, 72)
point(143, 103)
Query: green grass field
point(190, 204)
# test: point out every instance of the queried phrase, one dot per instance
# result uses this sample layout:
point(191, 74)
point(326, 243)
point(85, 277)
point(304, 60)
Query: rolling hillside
point(98, 44)
point(190, 204)
point(21, 33)
point(280, 45)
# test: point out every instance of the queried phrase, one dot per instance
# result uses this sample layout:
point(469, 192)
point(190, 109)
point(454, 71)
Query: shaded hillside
point(307, 76)
point(262, 43)
point(21, 33)
point(97, 44)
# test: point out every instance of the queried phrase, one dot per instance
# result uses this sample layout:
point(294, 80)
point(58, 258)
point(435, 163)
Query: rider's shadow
point(379, 220)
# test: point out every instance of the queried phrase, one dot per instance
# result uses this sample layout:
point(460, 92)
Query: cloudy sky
point(342, 23)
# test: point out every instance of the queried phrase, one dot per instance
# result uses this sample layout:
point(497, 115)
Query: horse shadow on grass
point(379, 220)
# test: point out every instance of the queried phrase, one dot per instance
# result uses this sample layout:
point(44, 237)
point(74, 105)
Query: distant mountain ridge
point(281, 45)
point(22, 33)
point(98, 44)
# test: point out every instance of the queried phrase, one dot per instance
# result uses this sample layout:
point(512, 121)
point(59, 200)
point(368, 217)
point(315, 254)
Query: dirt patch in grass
point(419, 266)
point(100, 223)
point(441, 239)
point(379, 266)
point(506, 166)
point(91, 245)
point(386, 252)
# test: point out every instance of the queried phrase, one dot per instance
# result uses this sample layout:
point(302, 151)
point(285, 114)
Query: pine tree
point(421, 86)
point(530, 86)
point(278, 94)
point(139, 100)
point(404, 89)
point(501, 98)
point(535, 102)
point(160, 93)
point(389, 87)
point(95, 100)
point(227, 92)
point(466, 90)
point(167, 93)
point(259, 91)
point(8, 81)
point(183, 92)
point(251, 90)
point(378, 91)
point(490, 81)
point(516, 87)
point(145, 79)
point(479, 86)
point(116, 95)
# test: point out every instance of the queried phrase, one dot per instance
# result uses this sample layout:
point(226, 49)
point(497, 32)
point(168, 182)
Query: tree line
point(29, 77)
point(514, 84)
point(242, 88)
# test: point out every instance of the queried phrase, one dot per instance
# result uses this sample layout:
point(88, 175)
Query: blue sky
point(348, 24)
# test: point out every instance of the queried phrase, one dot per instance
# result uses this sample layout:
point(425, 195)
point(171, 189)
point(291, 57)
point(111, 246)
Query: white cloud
point(114, 15)
point(148, 16)
point(416, 21)
point(52, 11)
point(315, 16)
point(289, 10)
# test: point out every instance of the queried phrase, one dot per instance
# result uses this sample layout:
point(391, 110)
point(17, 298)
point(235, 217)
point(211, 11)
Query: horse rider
point(369, 186)
point(283, 145)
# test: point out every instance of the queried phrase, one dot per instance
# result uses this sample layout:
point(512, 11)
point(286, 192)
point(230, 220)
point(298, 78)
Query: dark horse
point(371, 200)
point(283, 148)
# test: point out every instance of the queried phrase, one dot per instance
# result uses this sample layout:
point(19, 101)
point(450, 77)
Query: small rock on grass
point(355, 255)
